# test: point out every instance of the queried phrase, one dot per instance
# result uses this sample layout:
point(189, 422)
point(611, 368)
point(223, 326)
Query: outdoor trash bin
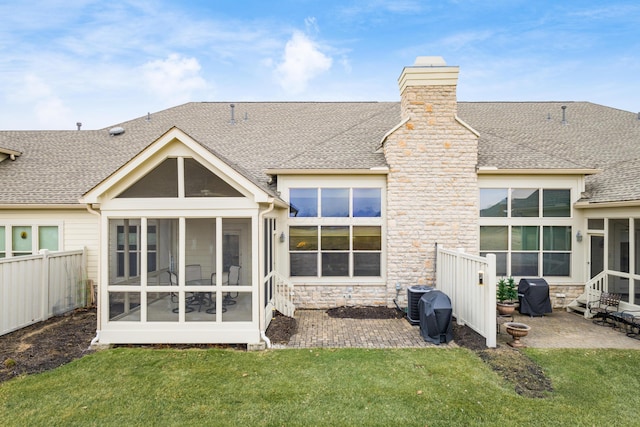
point(435, 317)
point(533, 295)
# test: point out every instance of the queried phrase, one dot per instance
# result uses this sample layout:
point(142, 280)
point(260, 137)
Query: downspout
point(261, 311)
point(95, 340)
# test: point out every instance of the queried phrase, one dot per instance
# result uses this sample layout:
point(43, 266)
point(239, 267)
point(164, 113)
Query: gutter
point(261, 311)
point(492, 170)
point(96, 339)
point(597, 205)
point(376, 170)
point(41, 206)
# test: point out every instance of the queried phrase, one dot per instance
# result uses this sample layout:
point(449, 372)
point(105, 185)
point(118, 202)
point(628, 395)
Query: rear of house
point(202, 219)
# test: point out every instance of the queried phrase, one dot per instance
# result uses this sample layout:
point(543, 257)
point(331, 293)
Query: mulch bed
point(365, 313)
point(47, 345)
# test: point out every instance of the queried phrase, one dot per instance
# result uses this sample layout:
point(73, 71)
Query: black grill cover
point(435, 317)
point(533, 295)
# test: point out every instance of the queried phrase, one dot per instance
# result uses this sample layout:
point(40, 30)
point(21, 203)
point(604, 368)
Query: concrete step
point(577, 309)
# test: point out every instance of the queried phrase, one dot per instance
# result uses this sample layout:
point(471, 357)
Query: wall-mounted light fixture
point(282, 237)
point(578, 236)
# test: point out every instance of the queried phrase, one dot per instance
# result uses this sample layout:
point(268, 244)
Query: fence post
point(459, 289)
point(490, 301)
point(44, 299)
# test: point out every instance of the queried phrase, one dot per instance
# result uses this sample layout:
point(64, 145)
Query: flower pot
point(505, 308)
point(517, 331)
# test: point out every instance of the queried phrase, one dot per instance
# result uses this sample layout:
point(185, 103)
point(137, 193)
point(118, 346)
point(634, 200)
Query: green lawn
point(129, 386)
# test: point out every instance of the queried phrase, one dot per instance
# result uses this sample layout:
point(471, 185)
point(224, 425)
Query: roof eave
point(597, 205)
point(8, 206)
point(381, 170)
point(10, 152)
point(489, 170)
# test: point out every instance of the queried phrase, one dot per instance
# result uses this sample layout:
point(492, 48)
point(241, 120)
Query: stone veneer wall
point(324, 295)
point(570, 293)
point(432, 190)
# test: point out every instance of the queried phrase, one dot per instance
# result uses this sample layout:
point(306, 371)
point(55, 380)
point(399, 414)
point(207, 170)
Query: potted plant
point(506, 294)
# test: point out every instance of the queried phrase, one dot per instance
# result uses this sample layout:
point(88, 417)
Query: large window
point(20, 240)
point(128, 248)
point(345, 239)
point(335, 250)
point(511, 227)
point(528, 250)
point(335, 202)
point(525, 203)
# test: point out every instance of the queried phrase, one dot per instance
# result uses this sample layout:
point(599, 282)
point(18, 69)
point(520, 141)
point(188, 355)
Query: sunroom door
point(596, 254)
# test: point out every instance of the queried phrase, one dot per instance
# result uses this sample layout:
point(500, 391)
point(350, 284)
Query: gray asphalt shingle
point(58, 167)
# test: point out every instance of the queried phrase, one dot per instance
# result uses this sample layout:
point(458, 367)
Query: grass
point(434, 387)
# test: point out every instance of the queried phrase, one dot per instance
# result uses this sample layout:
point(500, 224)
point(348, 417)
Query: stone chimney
point(427, 85)
point(432, 194)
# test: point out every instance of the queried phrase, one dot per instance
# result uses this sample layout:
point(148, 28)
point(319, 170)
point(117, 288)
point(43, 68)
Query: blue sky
point(103, 62)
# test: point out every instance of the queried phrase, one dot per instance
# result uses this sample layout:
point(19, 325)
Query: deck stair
point(592, 290)
point(578, 305)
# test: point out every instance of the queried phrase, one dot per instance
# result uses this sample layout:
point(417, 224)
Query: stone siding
point(325, 295)
point(570, 292)
point(432, 190)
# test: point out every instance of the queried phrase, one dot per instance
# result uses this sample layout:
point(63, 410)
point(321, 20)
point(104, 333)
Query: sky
point(104, 62)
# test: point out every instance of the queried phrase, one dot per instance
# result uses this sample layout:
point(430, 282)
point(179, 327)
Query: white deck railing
point(283, 296)
point(36, 287)
point(593, 289)
point(279, 296)
point(470, 283)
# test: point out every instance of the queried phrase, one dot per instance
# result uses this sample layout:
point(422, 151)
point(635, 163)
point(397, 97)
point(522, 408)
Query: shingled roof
point(58, 167)
point(521, 135)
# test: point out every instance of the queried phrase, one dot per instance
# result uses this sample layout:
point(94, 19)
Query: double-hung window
point(335, 232)
point(529, 230)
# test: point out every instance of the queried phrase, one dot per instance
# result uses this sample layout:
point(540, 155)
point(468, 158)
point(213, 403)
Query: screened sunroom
point(184, 240)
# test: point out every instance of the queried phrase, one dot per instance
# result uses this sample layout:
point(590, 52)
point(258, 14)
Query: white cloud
point(175, 78)
point(302, 62)
point(48, 109)
point(52, 113)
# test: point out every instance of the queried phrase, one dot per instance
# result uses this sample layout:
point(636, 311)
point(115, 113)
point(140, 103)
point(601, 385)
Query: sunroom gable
point(175, 165)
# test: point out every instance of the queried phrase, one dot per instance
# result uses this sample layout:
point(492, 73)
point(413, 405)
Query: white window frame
point(35, 236)
point(337, 182)
point(539, 221)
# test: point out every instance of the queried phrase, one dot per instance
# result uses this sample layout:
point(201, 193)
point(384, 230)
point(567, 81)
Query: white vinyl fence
point(36, 287)
point(470, 283)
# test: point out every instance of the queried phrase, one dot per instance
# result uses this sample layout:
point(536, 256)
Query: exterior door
point(596, 254)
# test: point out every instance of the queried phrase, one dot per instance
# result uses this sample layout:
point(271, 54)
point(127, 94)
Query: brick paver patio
point(556, 330)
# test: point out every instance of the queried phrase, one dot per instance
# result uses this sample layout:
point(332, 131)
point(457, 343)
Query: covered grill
point(435, 317)
point(533, 295)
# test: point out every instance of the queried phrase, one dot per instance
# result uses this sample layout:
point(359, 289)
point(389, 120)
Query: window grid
point(324, 247)
point(549, 254)
point(333, 259)
point(21, 240)
point(518, 202)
